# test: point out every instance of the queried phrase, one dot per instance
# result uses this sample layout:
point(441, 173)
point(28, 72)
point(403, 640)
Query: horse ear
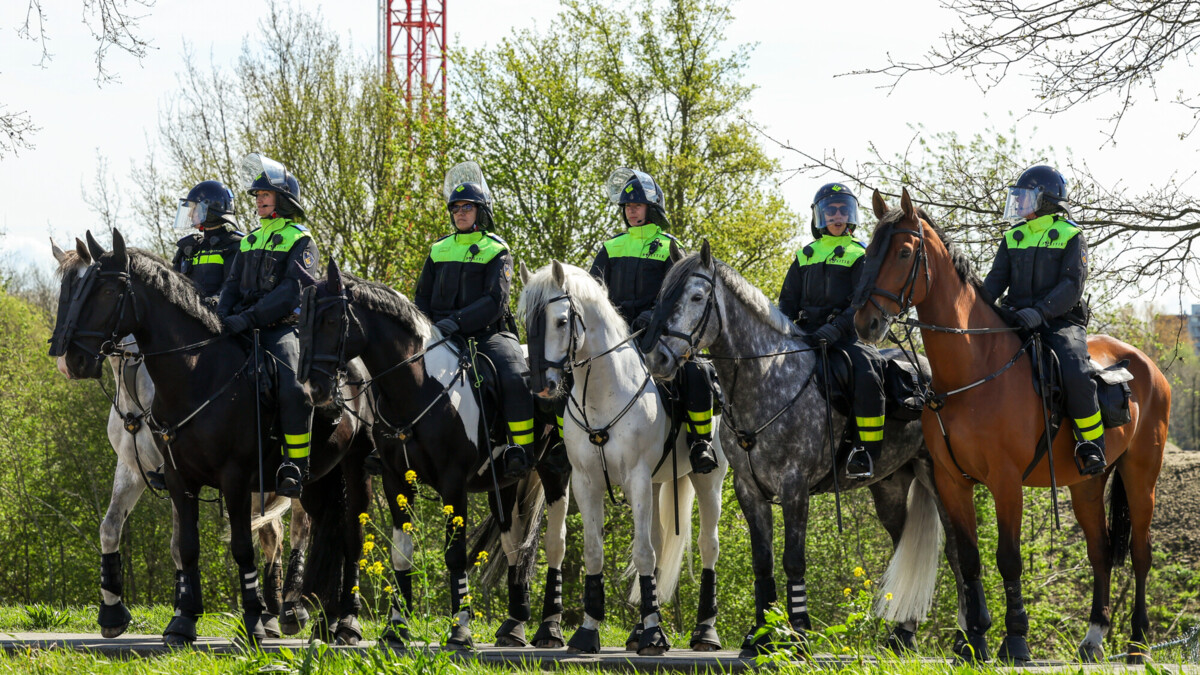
point(306, 279)
point(558, 273)
point(877, 203)
point(524, 272)
point(333, 277)
point(706, 254)
point(59, 254)
point(93, 246)
point(82, 249)
point(906, 205)
point(119, 248)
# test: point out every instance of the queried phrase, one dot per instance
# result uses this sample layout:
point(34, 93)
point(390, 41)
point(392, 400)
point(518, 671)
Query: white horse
point(615, 430)
point(137, 453)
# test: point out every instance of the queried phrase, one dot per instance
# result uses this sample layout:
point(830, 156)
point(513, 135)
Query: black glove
point(1030, 318)
point(238, 323)
point(642, 320)
point(828, 333)
point(447, 326)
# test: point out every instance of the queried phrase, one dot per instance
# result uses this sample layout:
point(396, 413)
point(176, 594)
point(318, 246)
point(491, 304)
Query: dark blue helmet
point(1039, 191)
point(209, 203)
point(832, 201)
point(474, 193)
point(272, 176)
point(636, 187)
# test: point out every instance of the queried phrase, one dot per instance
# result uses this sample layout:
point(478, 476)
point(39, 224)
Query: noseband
point(697, 333)
point(903, 300)
point(331, 365)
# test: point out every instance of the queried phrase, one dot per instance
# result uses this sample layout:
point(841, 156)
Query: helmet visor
point(190, 214)
point(465, 172)
point(256, 167)
point(836, 209)
point(618, 184)
point(1022, 203)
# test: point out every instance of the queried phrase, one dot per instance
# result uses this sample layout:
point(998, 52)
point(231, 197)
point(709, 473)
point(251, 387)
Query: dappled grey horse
point(777, 435)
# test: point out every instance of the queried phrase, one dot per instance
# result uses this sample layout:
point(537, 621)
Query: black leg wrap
point(273, 587)
point(187, 593)
point(764, 597)
point(294, 614)
point(518, 597)
point(111, 579)
point(458, 592)
point(585, 641)
point(348, 632)
point(593, 596)
point(635, 637)
point(460, 638)
point(396, 635)
point(978, 618)
point(971, 648)
point(653, 641)
point(754, 643)
point(902, 641)
point(649, 588)
point(511, 633)
point(797, 610)
point(251, 602)
point(549, 635)
point(552, 605)
point(404, 582)
point(181, 631)
point(708, 596)
point(1014, 650)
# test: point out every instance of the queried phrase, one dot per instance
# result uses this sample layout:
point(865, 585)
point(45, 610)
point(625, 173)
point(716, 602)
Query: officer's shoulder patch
point(861, 244)
point(497, 238)
point(670, 236)
point(298, 226)
point(309, 259)
point(237, 234)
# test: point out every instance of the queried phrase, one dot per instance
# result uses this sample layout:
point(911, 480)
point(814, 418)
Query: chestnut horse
point(991, 430)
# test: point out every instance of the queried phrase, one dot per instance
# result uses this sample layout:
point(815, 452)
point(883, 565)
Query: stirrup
point(869, 472)
point(1094, 454)
point(702, 456)
point(518, 468)
point(156, 478)
point(289, 482)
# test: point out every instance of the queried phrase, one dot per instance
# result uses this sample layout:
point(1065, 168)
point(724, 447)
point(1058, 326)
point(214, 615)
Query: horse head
point(96, 306)
point(687, 314)
point(330, 334)
point(896, 261)
point(554, 325)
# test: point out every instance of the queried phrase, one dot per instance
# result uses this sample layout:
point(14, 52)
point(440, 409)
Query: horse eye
point(697, 298)
point(561, 322)
point(905, 253)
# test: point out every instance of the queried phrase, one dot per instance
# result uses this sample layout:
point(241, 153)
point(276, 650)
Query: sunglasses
point(463, 208)
point(834, 209)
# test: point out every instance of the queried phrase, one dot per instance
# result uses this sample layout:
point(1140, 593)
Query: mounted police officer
point(206, 256)
point(633, 265)
point(464, 289)
point(816, 295)
point(263, 291)
point(1042, 263)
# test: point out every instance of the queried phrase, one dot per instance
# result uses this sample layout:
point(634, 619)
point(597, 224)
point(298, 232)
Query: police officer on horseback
point(816, 294)
point(206, 256)
point(1042, 263)
point(464, 289)
point(263, 291)
point(633, 265)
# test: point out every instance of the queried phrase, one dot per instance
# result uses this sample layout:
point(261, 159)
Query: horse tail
point(1120, 527)
point(674, 545)
point(912, 573)
point(326, 498)
point(276, 507)
point(531, 500)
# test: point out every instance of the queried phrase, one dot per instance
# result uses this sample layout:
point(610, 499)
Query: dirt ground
point(1176, 525)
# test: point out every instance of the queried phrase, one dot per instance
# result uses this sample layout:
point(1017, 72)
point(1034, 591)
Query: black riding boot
point(703, 457)
point(289, 480)
point(515, 461)
point(862, 460)
point(1089, 456)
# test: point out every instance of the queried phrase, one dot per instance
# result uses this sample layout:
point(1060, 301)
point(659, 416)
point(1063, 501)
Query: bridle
point(711, 308)
point(110, 338)
point(903, 299)
point(538, 362)
point(332, 364)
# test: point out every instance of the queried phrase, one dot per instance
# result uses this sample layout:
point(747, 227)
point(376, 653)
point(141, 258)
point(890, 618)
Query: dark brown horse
point(992, 430)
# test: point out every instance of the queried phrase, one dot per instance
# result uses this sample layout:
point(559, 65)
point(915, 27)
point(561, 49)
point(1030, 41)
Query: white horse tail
point(276, 507)
point(912, 573)
point(669, 555)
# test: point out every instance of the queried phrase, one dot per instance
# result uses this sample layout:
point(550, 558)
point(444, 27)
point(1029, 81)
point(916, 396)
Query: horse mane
point(70, 261)
point(175, 287)
point(743, 290)
point(384, 299)
point(962, 264)
point(541, 289)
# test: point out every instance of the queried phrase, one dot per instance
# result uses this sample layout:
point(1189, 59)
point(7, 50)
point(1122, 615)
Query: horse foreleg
point(126, 490)
point(1009, 507)
point(241, 546)
point(511, 633)
point(651, 641)
point(589, 493)
point(270, 540)
point(549, 633)
point(1087, 500)
point(958, 498)
point(760, 522)
point(295, 614)
point(456, 564)
point(708, 492)
point(795, 563)
point(348, 630)
point(189, 604)
point(400, 499)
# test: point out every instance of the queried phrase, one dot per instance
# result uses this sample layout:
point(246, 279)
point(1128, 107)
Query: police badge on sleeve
point(309, 259)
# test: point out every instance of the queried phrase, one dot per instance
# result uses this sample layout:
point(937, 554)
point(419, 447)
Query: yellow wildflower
point(866, 583)
point(846, 592)
point(467, 600)
point(410, 476)
point(368, 546)
point(369, 537)
point(354, 590)
point(362, 564)
point(364, 518)
point(457, 522)
point(407, 527)
point(478, 615)
point(377, 568)
point(858, 571)
point(448, 509)
point(888, 597)
point(845, 650)
point(388, 588)
point(402, 502)
point(483, 557)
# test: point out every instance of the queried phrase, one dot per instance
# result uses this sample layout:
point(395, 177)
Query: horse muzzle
point(662, 362)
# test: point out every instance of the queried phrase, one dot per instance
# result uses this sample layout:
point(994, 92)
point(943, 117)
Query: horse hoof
point(705, 639)
point(1136, 654)
point(348, 632)
point(1014, 650)
point(755, 644)
point(255, 629)
point(971, 648)
point(549, 636)
point(584, 641)
point(271, 626)
point(180, 632)
point(460, 638)
point(1090, 653)
point(653, 642)
point(635, 638)
point(902, 641)
point(294, 618)
point(113, 619)
point(511, 634)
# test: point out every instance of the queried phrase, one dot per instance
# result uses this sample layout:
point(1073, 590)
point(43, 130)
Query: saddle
point(1112, 388)
point(901, 385)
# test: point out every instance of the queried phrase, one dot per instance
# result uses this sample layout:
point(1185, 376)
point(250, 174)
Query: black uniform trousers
point(1069, 343)
point(512, 370)
point(868, 401)
point(295, 413)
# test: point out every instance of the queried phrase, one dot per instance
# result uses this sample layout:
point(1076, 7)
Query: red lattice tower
point(415, 30)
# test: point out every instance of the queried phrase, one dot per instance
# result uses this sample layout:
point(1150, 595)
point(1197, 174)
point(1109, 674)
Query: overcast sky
point(800, 48)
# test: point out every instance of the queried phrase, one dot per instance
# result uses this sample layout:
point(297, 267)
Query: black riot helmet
point(831, 202)
point(1039, 191)
point(629, 186)
point(465, 183)
point(209, 203)
point(264, 173)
